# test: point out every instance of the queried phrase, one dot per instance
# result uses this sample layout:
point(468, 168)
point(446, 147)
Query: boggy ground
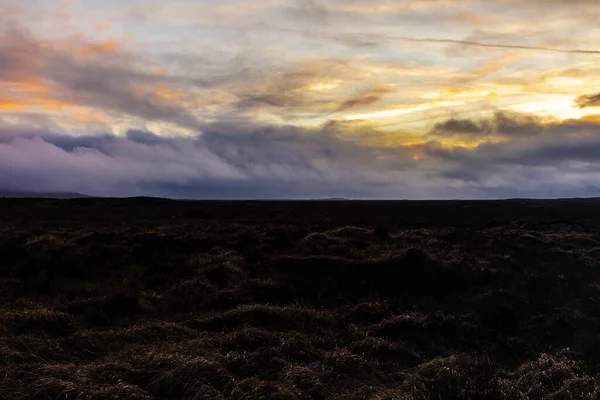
point(158, 299)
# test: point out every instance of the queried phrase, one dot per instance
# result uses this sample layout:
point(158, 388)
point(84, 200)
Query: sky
point(364, 99)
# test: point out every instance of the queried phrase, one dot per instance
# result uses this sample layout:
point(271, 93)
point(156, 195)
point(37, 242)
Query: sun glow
point(323, 86)
point(560, 107)
point(386, 113)
point(401, 111)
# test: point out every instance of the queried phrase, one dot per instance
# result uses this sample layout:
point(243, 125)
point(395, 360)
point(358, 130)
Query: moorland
point(160, 299)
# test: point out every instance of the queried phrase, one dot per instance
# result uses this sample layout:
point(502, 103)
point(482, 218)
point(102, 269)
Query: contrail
point(407, 39)
point(412, 39)
point(481, 44)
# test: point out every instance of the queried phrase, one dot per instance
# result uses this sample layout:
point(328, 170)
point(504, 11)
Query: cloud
point(561, 161)
point(470, 18)
point(588, 100)
point(102, 47)
point(200, 91)
point(262, 161)
point(502, 123)
point(367, 98)
point(477, 44)
point(51, 76)
point(361, 39)
point(316, 86)
point(463, 126)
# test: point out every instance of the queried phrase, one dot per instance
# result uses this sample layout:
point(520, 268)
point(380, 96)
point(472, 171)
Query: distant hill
point(332, 199)
point(7, 193)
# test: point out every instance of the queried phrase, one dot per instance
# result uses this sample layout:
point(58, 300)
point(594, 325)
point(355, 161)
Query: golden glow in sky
point(291, 61)
point(436, 83)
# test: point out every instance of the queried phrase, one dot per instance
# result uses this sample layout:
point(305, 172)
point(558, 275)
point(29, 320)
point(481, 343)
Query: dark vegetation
point(157, 299)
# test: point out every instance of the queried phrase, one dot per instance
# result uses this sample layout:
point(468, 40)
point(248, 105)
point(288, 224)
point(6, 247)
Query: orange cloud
point(167, 94)
point(471, 18)
point(27, 90)
point(595, 118)
point(495, 64)
point(101, 25)
point(10, 104)
point(88, 116)
point(15, 104)
point(108, 45)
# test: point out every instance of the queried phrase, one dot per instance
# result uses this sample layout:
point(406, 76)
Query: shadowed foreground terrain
point(158, 299)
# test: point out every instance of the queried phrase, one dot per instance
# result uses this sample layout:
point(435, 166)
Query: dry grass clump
point(254, 389)
point(195, 379)
point(151, 299)
point(268, 317)
point(385, 350)
point(38, 322)
point(551, 376)
point(45, 242)
point(340, 240)
point(352, 232)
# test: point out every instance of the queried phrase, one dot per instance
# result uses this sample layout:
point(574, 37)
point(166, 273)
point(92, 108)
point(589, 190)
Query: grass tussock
point(151, 299)
point(38, 322)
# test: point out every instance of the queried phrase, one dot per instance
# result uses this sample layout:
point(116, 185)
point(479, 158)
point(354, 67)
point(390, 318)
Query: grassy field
point(157, 299)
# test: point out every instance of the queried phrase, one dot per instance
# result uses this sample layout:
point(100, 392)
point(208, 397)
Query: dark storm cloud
point(461, 175)
point(552, 150)
point(462, 126)
point(549, 152)
point(564, 158)
point(258, 189)
point(502, 123)
point(588, 100)
point(262, 161)
point(72, 143)
point(145, 137)
point(228, 160)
